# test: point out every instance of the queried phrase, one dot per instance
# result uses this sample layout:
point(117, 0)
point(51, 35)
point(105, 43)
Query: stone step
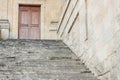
point(42, 43)
point(63, 64)
point(54, 62)
point(48, 76)
point(51, 69)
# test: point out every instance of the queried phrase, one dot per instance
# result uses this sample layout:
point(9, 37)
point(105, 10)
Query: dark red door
point(29, 22)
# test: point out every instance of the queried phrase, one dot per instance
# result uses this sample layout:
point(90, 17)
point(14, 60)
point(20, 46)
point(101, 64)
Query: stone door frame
point(15, 23)
point(30, 27)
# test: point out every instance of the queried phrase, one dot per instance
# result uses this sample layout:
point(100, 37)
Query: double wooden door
point(29, 22)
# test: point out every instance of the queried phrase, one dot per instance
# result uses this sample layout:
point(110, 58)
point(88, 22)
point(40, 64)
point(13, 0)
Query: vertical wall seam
point(7, 7)
point(86, 20)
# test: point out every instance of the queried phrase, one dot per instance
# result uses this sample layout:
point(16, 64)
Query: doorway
point(29, 22)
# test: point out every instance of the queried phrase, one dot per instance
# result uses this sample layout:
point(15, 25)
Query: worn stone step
point(52, 69)
point(33, 42)
point(67, 62)
point(46, 66)
point(52, 76)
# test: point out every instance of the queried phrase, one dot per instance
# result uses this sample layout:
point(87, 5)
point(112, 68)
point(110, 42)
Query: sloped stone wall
point(91, 28)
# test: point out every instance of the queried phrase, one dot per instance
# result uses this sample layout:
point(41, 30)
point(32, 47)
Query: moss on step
point(59, 58)
point(87, 71)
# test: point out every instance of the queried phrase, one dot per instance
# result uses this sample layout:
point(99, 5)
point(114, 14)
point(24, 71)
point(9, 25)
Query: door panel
point(35, 15)
point(35, 19)
point(25, 17)
point(29, 22)
point(24, 33)
point(34, 33)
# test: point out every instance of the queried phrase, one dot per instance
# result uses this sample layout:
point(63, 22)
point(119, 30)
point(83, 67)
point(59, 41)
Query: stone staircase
point(40, 60)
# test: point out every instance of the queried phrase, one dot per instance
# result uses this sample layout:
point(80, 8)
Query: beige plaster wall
point(3, 9)
point(50, 11)
point(94, 35)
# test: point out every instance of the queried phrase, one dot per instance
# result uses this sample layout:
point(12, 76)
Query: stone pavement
point(40, 60)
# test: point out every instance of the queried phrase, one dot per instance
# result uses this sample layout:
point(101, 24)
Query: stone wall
point(91, 28)
point(50, 12)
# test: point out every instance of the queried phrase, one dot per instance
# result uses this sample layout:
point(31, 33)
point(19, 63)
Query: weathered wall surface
point(91, 28)
point(3, 8)
point(50, 12)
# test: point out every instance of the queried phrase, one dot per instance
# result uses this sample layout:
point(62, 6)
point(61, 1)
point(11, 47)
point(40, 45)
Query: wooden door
point(29, 22)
